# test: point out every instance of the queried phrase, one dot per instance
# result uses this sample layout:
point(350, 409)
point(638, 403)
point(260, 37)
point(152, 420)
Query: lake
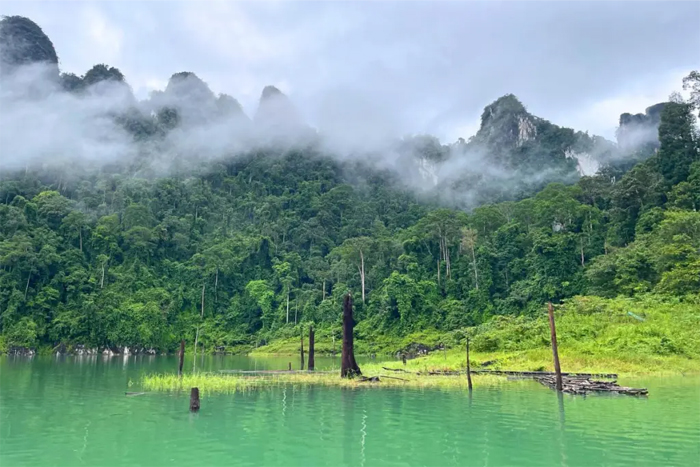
point(72, 411)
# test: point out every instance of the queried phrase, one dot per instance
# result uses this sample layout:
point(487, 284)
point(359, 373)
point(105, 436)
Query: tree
point(354, 251)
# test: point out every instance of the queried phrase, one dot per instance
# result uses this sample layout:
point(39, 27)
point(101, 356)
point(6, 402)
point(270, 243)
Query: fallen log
point(276, 372)
point(543, 373)
point(396, 369)
point(371, 379)
point(394, 377)
point(581, 385)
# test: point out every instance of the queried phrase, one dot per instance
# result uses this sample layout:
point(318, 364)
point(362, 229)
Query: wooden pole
point(290, 366)
point(469, 369)
point(194, 400)
point(311, 349)
point(302, 348)
point(182, 357)
point(555, 350)
point(348, 365)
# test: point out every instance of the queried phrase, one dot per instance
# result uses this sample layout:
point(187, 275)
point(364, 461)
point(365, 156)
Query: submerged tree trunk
point(348, 365)
point(311, 349)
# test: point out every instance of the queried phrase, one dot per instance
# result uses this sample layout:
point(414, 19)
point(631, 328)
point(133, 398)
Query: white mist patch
point(586, 164)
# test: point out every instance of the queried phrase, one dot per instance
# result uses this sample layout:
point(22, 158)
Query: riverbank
point(646, 335)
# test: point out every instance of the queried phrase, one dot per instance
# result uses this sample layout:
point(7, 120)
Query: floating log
point(194, 400)
point(555, 351)
point(348, 365)
point(312, 336)
point(132, 394)
point(181, 354)
point(582, 385)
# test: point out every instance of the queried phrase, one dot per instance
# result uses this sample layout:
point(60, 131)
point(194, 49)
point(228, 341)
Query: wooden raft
point(584, 385)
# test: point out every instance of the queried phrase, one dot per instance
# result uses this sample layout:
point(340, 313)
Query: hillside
point(184, 215)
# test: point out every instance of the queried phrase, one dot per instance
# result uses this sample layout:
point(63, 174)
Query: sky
point(418, 67)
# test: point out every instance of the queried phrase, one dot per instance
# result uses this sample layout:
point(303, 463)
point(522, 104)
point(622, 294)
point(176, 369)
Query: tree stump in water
point(194, 400)
point(302, 348)
point(348, 365)
point(555, 350)
point(311, 348)
point(182, 357)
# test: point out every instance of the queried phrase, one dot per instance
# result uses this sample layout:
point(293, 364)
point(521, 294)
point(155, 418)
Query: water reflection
point(72, 411)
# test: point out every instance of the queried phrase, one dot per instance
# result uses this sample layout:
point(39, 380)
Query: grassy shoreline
point(525, 361)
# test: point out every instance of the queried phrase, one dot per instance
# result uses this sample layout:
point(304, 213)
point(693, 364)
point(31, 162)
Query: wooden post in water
point(290, 366)
point(555, 350)
point(302, 348)
point(181, 354)
point(469, 369)
point(311, 349)
point(348, 365)
point(194, 400)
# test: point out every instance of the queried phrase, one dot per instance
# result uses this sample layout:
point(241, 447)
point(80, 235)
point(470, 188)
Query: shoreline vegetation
point(653, 343)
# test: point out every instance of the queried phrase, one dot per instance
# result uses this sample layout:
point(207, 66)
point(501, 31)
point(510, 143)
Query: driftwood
point(348, 365)
point(132, 394)
point(584, 385)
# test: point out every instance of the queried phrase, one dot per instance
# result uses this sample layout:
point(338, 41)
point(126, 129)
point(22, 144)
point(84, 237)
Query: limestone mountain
point(23, 42)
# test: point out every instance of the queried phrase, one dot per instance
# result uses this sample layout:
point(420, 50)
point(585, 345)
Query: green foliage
point(252, 247)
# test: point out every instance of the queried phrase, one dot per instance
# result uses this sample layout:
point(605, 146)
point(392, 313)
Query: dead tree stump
point(555, 350)
point(302, 348)
point(182, 357)
point(194, 400)
point(348, 365)
point(311, 349)
point(469, 370)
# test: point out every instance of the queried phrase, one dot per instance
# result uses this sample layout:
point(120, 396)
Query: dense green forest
point(244, 249)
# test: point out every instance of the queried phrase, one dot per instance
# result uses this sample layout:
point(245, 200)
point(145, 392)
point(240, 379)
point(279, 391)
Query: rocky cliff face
point(640, 131)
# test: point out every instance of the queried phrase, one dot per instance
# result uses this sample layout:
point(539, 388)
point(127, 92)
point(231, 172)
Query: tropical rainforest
point(166, 242)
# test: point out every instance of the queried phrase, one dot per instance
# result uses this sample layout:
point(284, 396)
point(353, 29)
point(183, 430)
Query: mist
point(42, 125)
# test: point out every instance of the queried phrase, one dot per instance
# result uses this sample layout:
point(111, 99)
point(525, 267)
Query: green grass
point(594, 334)
point(230, 383)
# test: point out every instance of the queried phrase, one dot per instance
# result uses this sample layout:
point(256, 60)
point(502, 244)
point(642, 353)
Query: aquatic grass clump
point(231, 383)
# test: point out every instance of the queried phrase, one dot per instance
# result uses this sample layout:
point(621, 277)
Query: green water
point(73, 411)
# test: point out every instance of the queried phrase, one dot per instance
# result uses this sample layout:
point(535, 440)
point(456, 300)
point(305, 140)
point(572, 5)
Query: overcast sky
point(418, 66)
